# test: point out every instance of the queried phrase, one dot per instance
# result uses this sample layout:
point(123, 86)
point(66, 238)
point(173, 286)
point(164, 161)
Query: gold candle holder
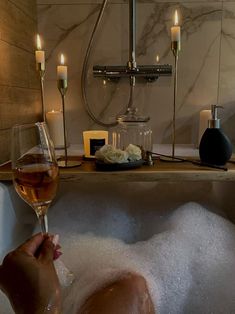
point(63, 86)
point(175, 47)
point(41, 70)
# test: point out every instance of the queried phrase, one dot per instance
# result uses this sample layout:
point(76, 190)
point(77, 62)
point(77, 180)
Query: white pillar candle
point(55, 127)
point(205, 116)
point(175, 30)
point(62, 70)
point(40, 54)
point(94, 140)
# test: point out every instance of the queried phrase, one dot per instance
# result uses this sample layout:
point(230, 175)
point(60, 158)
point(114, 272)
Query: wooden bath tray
point(161, 171)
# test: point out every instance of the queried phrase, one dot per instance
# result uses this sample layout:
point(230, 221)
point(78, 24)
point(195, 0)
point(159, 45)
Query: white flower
point(134, 152)
point(116, 156)
point(101, 153)
point(110, 155)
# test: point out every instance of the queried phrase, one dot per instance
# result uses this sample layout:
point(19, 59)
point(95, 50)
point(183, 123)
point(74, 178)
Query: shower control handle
point(149, 72)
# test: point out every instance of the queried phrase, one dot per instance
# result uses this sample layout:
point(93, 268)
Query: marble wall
point(19, 89)
point(206, 63)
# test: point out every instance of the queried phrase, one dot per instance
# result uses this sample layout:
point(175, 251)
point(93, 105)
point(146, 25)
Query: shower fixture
point(114, 72)
point(132, 70)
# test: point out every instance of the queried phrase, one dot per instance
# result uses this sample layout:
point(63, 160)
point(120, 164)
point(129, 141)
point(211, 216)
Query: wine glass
point(35, 170)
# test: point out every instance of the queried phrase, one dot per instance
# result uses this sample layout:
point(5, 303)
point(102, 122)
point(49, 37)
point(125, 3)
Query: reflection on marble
point(67, 28)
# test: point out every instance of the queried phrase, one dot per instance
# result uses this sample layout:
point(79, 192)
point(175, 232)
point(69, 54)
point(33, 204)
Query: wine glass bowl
point(35, 170)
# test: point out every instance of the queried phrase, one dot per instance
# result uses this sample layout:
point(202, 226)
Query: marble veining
point(205, 71)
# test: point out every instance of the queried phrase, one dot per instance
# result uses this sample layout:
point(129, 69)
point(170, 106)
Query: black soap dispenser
point(215, 147)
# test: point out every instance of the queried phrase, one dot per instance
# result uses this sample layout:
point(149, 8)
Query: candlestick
point(175, 47)
point(63, 86)
point(40, 67)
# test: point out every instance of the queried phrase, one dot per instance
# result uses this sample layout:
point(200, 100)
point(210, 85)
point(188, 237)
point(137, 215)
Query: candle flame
point(39, 45)
point(176, 18)
point(62, 59)
point(157, 58)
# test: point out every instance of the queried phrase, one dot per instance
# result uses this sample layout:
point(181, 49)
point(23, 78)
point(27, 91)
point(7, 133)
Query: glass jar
point(132, 129)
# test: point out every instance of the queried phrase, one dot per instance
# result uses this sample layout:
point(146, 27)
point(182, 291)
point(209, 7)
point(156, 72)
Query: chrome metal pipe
point(132, 34)
point(132, 70)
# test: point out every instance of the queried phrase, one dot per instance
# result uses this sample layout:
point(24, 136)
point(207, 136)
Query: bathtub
point(128, 211)
point(121, 210)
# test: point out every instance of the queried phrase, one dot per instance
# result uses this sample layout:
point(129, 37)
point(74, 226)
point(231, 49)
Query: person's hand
point(29, 279)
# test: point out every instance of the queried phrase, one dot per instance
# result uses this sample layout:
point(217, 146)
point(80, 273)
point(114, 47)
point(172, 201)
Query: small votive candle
point(55, 127)
point(205, 116)
point(93, 141)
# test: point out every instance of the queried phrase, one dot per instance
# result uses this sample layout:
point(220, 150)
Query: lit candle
point(55, 127)
point(205, 116)
point(94, 140)
point(157, 58)
point(175, 30)
point(40, 55)
point(62, 70)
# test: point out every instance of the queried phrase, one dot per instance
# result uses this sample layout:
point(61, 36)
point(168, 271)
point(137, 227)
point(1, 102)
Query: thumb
point(46, 252)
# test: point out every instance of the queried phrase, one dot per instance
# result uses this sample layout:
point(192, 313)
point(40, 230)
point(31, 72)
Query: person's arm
point(29, 279)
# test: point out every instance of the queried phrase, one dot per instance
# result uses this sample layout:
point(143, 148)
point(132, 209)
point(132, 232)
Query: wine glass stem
point(43, 223)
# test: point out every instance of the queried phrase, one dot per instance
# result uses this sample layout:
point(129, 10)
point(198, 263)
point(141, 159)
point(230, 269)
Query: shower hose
point(85, 69)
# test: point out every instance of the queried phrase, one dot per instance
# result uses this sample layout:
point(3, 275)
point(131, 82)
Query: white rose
point(134, 152)
point(116, 156)
point(101, 153)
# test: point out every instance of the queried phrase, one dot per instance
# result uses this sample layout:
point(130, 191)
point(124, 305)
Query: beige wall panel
point(27, 6)
point(15, 66)
point(17, 28)
point(19, 106)
point(5, 138)
point(19, 84)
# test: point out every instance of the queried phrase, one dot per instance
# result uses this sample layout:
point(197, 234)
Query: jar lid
point(132, 116)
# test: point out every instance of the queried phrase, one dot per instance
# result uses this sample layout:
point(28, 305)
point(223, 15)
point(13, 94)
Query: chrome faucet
point(132, 70)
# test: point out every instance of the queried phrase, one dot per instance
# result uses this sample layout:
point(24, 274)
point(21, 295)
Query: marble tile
point(67, 28)
point(227, 71)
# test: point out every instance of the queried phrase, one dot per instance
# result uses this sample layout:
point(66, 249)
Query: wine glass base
point(69, 163)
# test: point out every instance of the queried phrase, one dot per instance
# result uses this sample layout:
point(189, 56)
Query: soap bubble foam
point(188, 262)
point(188, 265)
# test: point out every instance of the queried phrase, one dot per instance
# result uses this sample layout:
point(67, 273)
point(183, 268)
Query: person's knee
point(128, 294)
point(133, 282)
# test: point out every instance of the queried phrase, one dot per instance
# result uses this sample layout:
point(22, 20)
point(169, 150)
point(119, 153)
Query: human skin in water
point(127, 295)
point(29, 279)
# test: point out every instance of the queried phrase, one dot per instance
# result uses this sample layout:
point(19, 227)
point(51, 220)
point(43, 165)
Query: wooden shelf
point(161, 171)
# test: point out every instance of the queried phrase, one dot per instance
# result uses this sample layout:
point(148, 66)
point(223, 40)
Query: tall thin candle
point(40, 55)
point(175, 30)
point(62, 69)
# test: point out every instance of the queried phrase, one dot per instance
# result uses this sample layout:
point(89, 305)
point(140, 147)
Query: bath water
point(188, 263)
